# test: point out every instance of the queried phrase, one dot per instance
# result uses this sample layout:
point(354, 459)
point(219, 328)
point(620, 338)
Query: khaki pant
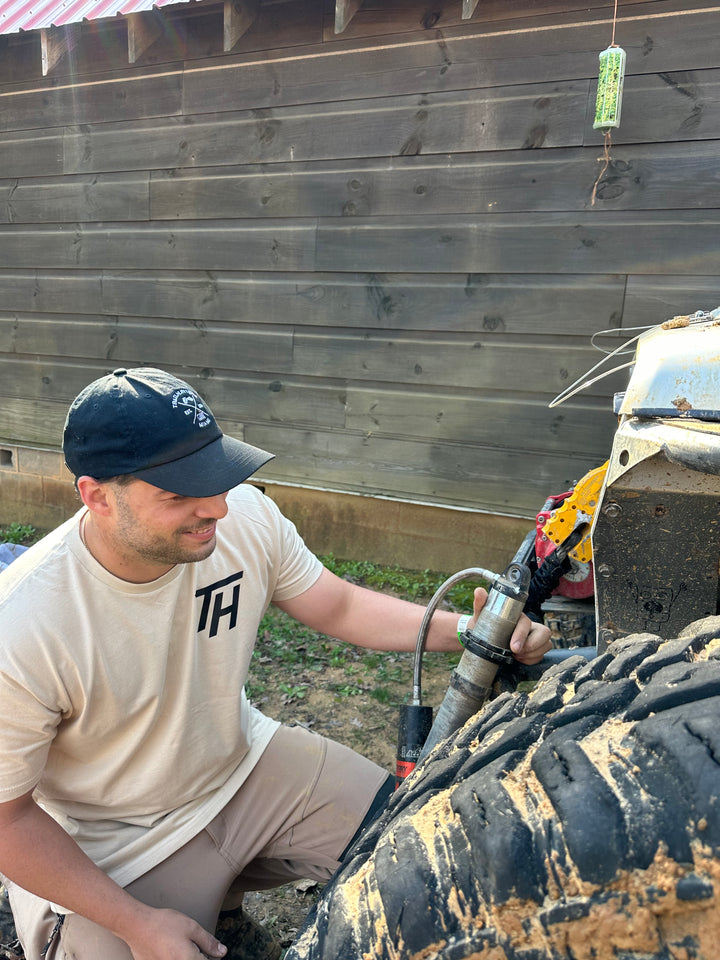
point(292, 819)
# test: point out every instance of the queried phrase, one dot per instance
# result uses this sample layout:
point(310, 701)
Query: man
point(137, 785)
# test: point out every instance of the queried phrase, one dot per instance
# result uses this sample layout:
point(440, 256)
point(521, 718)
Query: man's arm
point(367, 618)
point(38, 855)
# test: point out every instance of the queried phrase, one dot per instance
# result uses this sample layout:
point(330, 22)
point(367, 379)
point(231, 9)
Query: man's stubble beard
point(152, 549)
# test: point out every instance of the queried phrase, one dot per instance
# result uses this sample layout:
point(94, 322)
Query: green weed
point(17, 533)
point(292, 692)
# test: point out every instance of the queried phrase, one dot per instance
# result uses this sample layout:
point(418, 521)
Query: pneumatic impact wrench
point(486, 646)
point(522, 587)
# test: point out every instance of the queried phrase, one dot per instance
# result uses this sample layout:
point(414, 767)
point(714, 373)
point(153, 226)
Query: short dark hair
point(123, 480)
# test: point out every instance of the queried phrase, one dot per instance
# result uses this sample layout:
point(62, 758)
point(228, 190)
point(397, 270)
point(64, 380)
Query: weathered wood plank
point(32, 422)
point(579, 427)
point(659, 176)
point(34, 154)
point(43, 378)
point(640, 177)
point(231, 396)
point(51, 291)
point(648, 242)
point(487, 362)
point(122, 196)
point(650, 301)
point(20, 57)
point(599, 242)
point(143, 342)
point(121, 96)
point(552, 305)
point(500, 480)
point(213, 245)
point(505, 118)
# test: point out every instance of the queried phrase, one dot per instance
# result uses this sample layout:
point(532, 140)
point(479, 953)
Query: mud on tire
point(580, 821)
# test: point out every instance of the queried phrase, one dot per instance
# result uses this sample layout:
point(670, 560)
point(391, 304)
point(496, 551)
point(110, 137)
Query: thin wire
point(582, 381)
point(570, 392)
point(613, 330)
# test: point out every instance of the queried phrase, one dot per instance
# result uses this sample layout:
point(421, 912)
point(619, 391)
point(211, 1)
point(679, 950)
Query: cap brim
point(214, 469)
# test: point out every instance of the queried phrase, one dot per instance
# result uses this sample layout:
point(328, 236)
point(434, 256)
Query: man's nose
point(213, 508)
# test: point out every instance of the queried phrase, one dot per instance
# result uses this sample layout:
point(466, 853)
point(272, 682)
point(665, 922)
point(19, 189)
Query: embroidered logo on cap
point(192, 406)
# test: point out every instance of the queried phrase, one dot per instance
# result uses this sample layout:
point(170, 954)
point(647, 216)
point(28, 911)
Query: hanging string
point(606, 158)
point(612, 40)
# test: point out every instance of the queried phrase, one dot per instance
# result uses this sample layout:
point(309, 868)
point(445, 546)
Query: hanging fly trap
point(610, 88)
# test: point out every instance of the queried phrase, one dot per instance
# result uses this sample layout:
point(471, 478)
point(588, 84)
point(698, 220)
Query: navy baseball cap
point(148, 423)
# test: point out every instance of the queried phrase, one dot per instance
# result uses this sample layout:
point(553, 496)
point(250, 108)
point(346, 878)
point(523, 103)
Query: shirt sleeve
point(299, 567)
point(26, 732)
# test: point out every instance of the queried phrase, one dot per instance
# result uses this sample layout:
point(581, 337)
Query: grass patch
point(416, 585)
point(289, 657)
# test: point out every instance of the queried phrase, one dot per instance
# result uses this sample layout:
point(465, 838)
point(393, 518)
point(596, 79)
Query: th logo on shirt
point(220, 599)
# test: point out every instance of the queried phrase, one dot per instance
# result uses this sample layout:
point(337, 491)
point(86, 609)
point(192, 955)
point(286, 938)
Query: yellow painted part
point(579, 507)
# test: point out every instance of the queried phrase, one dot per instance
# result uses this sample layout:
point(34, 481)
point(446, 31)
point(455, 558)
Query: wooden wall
point(375, 254)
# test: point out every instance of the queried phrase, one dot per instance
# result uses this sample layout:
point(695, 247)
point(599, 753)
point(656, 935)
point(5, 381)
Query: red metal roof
point(34, 14)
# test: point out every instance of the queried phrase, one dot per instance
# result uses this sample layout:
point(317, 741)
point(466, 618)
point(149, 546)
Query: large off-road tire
point(581, 821)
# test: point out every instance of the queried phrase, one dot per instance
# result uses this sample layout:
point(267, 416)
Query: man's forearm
point(38, 855)
point(367, 618)
point(387, 623)
point(370, 619)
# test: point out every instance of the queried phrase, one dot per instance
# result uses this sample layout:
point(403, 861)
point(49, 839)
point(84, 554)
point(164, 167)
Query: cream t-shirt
point(123, 704)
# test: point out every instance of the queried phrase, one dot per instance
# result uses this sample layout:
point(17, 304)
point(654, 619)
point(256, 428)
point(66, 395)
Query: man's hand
point(162, 934)
point(530, 641)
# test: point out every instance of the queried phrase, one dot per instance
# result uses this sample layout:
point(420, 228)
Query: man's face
point(159, 528)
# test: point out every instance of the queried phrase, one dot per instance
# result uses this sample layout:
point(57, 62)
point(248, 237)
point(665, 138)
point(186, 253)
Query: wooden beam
point(238, 17)
point(56, 43)
point(468, 8)
point(345, 10)
point(143, 29)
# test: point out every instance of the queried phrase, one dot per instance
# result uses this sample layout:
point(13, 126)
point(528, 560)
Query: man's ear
point(94, 495)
